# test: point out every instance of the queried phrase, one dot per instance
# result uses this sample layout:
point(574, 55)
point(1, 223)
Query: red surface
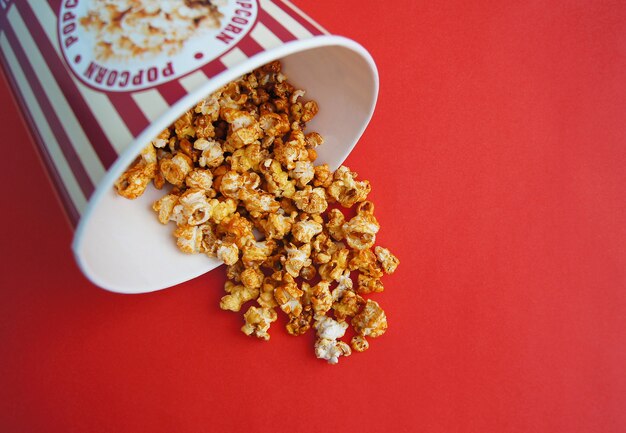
point(497, 156)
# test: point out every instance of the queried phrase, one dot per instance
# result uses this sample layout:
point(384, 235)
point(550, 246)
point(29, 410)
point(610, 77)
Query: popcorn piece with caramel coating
point(288, 295)
point(360, 231)
point(258, 321)
point(371, 321)
point(212, 153)
point(346, 189)
point(237, 296)
point(176, 169)
point(331, 350)
point(297, 258)
point(310, 200)
point(388, 260)
point(135, 179)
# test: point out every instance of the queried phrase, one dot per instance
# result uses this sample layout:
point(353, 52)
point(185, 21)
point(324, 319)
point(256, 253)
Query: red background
point(497, 156)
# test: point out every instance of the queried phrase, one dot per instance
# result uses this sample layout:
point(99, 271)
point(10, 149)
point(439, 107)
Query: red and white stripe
point(80, 131)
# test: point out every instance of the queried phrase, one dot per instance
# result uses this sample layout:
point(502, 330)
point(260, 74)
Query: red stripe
point(249, 46)
point(55, 5)
point(303, 20)
point(172, 92)
point(59, 187)
point(275, 27)
point(129, 111)
point(48, 110)
point(213, 68)
point(99, 141)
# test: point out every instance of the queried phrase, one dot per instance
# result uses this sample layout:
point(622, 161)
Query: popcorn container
point(97, 80)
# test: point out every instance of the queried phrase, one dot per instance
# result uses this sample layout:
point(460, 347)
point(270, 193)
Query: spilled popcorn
point(245, 189)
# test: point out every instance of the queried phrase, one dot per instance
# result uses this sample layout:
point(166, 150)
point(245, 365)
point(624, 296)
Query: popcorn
point(360, 231)
point(288, 295)
point(388, 260)
point(310, 200)
point(304, 231)
point(297, 258)
point(331, 350)
point(258, 321)
point(237, 296)
point(243, 187)
point(345, 189)
point(212, 152)
point(371, 321)
point(176, 169)
point(134, 181)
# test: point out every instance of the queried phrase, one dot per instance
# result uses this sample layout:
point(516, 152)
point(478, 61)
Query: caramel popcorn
point(242, 186)
point(258, 321)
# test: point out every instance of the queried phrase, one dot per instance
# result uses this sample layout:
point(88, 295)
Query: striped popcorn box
point(97, 80)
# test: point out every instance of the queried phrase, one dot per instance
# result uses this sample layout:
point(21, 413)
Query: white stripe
point(51, 144)
point(299, 11)
point(264, 37)
point(105, 113)
point(151, 103)
point(285, 20)
point(194, 80)
point(88, 158)
point(233, 57)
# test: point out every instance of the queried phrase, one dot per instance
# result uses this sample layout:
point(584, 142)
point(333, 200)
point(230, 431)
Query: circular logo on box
point(128, 45)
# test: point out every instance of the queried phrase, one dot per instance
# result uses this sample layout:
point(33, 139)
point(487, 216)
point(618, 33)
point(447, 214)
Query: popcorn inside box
point(240, 183)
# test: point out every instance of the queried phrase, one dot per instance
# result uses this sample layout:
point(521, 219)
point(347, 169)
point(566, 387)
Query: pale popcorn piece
point(258, 321)
point(310, 200)
point(331, 350)
point(136, 178)
point(227, 252)
point(360, 230)
point(371, 321)
point(252, 278)
point(212, 152)
point(288, 295)
point(195, 206)
point(165, 209)
point(304, 231)
point(302, 173)
point(388, 260)
point(199, 178)
point(359, 343)
point(297, 258)
point(328, 328)
point(188, 239)
point(238, 295)
point(176, 169)
point(257, 252)
point(209, 106)
point(346, 189)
